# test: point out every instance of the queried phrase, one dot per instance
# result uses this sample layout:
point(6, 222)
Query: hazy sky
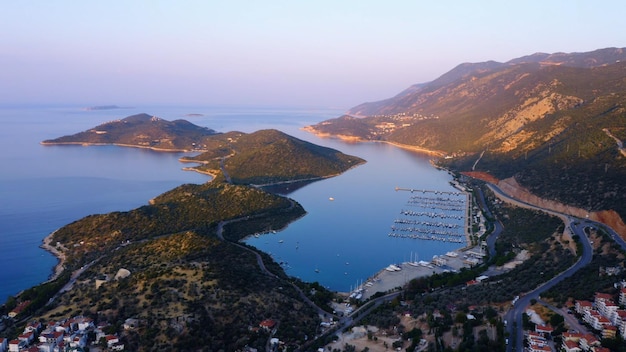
point(287, 53)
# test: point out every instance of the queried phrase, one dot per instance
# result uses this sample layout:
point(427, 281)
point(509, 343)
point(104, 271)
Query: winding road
point(575, 227)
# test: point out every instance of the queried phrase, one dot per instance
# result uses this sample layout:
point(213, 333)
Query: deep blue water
point(45, 187)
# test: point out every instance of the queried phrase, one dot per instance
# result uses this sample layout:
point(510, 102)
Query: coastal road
point(497, 225)
point(259, 259)
point(362, 312)
point(577, 227)
point(514, 316)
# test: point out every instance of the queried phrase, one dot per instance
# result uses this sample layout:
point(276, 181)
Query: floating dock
point(449, 208)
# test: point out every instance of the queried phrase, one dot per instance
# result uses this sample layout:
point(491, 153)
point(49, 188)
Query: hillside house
point(267, 324)
point(588, 341)
point(543, 329)
point(609, 332)
point(51, 337)
point(600, 297)
point(83, 323)
point(17, 345)
point(622, 297)
point(583, 306)
point(34, 327)
point(29, 337)
point(536, 340)
point(539, 349)
point(570, 346)
point(18, 309)
point(606, 307)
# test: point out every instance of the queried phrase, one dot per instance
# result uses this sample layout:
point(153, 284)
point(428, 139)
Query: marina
point(319, 246)
point(447, 206)
point(450, 208)
point(397, 275)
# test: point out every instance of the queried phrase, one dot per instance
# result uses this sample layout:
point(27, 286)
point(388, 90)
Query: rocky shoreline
point(47, 246)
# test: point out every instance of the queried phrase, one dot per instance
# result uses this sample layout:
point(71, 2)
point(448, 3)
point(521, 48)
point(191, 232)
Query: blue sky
point(273, 53)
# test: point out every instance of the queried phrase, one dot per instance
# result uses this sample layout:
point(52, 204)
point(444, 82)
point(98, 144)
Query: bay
point(45, 187)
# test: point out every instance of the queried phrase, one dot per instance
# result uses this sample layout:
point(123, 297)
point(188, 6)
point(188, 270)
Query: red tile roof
point(267, 323)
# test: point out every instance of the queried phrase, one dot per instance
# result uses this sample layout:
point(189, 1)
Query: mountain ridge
point(587, 59)
point(542, 119)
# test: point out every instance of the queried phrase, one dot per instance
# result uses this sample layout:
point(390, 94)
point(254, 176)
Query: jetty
point(424, 191)
point(432, 215)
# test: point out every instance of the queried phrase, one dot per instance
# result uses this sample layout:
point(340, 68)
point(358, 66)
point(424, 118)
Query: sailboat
point(414, 262)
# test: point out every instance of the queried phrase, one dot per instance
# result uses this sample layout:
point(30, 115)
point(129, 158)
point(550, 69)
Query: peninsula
point(181, 263)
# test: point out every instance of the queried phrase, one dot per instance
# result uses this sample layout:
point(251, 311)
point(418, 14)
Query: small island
point(104, 107)
point(142, 131)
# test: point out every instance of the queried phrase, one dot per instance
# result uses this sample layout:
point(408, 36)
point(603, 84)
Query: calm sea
point(338, 243)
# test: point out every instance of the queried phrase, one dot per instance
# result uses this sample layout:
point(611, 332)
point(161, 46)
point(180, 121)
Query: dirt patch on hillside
point(612, 219)
point(481, 175)
point(608, 217)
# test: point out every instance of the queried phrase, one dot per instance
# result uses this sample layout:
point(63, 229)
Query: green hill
point(187, 287)
point(142, 130)
point(271, 156)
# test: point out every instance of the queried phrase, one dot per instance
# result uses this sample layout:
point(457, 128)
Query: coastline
point(124, 145)
point(48, 247)
point(437, 153)
point(386, 281)
point(412, 272)
point(352, 139)
point(311, 179)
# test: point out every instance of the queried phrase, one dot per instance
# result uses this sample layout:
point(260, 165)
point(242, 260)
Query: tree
point(460, 318)
point(556, 320)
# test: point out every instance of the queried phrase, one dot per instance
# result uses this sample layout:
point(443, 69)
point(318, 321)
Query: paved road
point(577, 227)
point(570, 319)
point(493, 236)
point(514, 316)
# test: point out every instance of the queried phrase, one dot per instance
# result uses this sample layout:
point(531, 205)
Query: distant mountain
point(555, 122)
point(104, 107)
point(411, 100)
point(142, 130)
